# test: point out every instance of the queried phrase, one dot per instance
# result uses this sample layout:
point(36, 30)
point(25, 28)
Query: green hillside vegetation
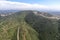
point(25, 25)
point(47, 28)
point(14, 27)
point(58, 29)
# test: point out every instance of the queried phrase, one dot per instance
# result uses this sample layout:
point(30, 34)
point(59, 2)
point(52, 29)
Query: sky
point(30, 5)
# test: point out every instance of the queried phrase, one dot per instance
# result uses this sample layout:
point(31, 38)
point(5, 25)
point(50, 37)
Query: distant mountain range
point(8, 12)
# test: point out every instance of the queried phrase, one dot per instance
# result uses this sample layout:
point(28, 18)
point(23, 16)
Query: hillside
point(46, 27)
point(14, 27)
point(28, 25)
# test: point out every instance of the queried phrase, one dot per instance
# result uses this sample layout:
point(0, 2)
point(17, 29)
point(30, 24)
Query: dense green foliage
point(58, 29)
point(14, 27)
point(25, 25)
point(47, 28)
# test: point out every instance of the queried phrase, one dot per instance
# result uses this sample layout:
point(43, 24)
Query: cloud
point(9, 5)
point(55, 7)
point(4, 5)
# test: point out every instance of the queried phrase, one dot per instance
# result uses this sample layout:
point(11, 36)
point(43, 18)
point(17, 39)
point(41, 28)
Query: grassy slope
point(22, 26)
point(9, 28)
